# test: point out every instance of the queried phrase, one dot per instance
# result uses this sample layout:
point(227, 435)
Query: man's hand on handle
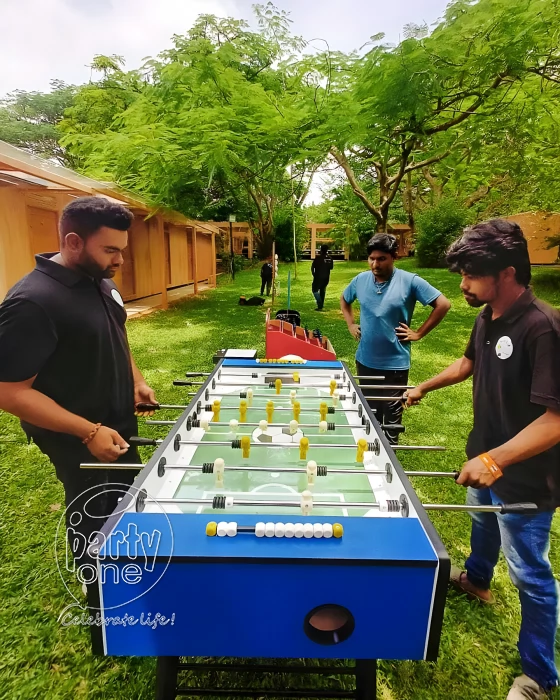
point(413, 397)
point(107, 445)
point(144, 394)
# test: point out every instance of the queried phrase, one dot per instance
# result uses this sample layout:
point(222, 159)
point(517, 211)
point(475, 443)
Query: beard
point(92, 268)
point(473, 300)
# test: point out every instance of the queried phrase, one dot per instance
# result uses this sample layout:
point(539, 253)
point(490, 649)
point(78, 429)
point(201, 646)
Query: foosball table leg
point(366, 679)
point(166, 677)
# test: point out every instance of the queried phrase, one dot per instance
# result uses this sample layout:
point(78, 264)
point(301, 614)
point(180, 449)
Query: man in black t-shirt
point(321, 270)
point(65, 366)
point(266, 277)
point(513, 449)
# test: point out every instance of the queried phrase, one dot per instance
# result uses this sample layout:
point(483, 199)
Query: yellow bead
point(297, 410)
point(337, 530)
point(296, 376)
point(278, 385)
point(323, 410)
point(211, 529)
point(332, 386)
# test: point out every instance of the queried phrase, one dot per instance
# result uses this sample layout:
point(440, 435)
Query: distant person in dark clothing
point(321, 270)
point(266, 277)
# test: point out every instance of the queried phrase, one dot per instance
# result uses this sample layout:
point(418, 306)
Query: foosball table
point(274, 521)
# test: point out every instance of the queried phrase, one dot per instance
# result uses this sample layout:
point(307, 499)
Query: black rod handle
point(519, 508)
point(135, 440)
point(147, 406)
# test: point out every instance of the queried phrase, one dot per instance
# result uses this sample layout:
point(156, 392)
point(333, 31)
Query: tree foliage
point(438, 227)
point(29, 119)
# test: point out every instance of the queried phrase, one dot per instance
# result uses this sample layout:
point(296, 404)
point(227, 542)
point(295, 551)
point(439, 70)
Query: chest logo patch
point(504, 348)
point(117, 297)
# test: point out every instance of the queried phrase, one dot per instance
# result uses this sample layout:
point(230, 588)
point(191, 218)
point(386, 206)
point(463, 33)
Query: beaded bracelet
point(491, 465)
point(92, 434)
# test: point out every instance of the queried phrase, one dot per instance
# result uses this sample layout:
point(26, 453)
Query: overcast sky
point(46, 39)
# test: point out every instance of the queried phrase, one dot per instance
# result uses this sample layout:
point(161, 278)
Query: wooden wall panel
point(140, 243)
point(16, 259)
point(205, 263)
point(43, 230)
point(190, 263)
point(537, 227)
point(179, 256)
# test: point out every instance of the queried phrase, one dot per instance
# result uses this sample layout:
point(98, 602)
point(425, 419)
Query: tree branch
point(358, 191)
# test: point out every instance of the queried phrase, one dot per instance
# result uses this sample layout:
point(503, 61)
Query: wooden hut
point(318, 234)
point(537, 227)
point(241, 238)
point(168, 256)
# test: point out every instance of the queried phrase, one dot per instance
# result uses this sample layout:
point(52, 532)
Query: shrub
point(438, 227)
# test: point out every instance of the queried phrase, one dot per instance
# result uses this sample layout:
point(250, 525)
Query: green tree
point(29, 120)
point(218, 119)
point(438, 227)
point(408, 106)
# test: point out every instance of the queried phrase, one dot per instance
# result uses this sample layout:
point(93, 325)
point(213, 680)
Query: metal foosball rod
point(208, 407)
point(322, 470)
point(365, 446)
point(385, 386)
point(307, 504)
point(397, 427)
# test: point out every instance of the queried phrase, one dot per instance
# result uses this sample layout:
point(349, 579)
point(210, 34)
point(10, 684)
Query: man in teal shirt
point(387, 297)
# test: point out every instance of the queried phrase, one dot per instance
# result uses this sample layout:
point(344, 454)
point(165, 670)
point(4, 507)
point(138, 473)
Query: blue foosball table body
point(167, 588)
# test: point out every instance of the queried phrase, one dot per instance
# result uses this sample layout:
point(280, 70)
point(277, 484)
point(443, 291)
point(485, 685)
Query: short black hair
point(86, 215)
point(383, 242)
point(324, 249)
point(490, 247)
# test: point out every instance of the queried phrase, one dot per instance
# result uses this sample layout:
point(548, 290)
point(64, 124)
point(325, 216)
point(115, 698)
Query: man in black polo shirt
point(513, 449)
point(65, 366)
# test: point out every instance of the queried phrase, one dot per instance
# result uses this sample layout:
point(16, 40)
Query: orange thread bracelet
point(491, 465)
point(92, 434)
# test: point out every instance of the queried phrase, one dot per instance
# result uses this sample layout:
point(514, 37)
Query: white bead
point(234, 425)
point(232, 529)
point(317, 530)
point(263, 425)
point(323, 426)
point(293, 394)
point(229, 501)
point(269, 529)
point(259, 529)
point(279, 530)
point(327, 530)
point(289, 530)
point(204, 424)
point(219, 465)
point(335, 398)
point(294, 425)
point(308, 530)
point(383, 506)
point(249, 397)
point(222, 529)
point(298, 530)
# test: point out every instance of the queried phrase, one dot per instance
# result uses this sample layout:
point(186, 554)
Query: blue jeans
point(525, 540)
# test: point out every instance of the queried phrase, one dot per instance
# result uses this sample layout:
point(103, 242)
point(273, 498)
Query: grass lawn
point(40, 659)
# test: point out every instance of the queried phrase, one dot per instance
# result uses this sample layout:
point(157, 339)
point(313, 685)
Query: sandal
point(458, 579)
